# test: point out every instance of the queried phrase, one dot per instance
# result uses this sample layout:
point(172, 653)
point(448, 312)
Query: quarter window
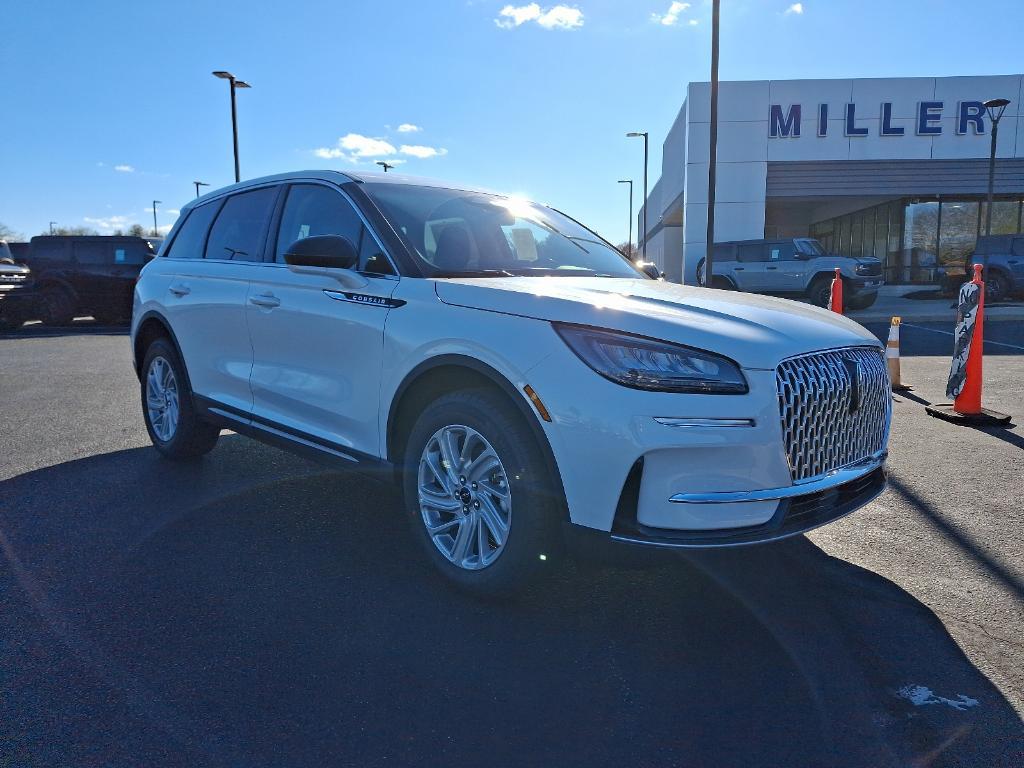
point(237, 235)
point(191, 237)
point(91, 253)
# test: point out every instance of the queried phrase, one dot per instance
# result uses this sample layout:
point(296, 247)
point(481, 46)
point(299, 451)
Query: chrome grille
point(822, 425)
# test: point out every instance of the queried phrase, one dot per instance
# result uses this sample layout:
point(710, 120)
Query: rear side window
point(191, 237)
point(750, 252)
point(1018, 246)
point(132, 253)
point(91, 253)
point(237, 234)
point(51, 250)
point(724, 252)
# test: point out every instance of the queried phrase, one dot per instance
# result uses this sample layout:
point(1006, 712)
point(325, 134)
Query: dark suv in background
point(794, 267)
point(87, 275)
point(1003, 259)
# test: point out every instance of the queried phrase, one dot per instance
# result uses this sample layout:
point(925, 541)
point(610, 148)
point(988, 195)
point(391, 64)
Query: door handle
point(267, 300)
point(771, 267)
point(738, 269)
point(180, 289)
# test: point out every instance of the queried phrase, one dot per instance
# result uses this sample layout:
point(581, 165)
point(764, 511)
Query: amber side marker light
point(537, 403)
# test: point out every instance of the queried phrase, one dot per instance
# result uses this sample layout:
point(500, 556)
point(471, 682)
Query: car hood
point(755, 331)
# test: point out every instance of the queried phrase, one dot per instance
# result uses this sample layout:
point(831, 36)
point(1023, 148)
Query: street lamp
point(198, 185)
point(633, 135)
point(630, 182)
point(995, 108)
point(51, 226)
point(156, 232)
point(709, 245)
point(385, 165)
point(234, 116)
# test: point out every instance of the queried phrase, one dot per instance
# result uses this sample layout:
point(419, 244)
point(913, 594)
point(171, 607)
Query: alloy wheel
point(162, 399)
point(464, 497)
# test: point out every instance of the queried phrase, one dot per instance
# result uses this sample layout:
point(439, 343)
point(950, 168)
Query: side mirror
point(328, 251)
point(650, 269)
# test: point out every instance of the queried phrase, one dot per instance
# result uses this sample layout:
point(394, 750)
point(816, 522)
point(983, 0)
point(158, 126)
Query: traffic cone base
point(983, 418)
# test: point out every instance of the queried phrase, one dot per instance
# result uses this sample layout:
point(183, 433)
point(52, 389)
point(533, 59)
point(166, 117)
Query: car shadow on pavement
point(77, 328)
point(254, 609)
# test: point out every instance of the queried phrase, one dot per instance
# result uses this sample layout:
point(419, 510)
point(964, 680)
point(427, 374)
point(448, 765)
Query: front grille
point(870, 269)
point(823, 426)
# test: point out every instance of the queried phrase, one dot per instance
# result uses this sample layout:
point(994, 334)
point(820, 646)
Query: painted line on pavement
point(950, 333)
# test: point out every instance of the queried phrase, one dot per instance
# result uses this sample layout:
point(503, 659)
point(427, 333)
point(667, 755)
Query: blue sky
point(110, 105)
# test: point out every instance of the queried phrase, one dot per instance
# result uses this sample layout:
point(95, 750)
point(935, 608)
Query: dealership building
point(893, 168)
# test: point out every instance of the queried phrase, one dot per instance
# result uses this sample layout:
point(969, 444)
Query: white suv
point(512, 369)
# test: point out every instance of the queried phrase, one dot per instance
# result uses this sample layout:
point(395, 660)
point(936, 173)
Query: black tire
point(57, 305)
point(820, 291)
point(533, 543)
point(108, 317)
point(722, 284)
point(862, 302)
point(997, 286)
point(701, 281)
point(191, 437)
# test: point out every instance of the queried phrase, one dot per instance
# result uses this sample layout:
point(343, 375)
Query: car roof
point(343, 177)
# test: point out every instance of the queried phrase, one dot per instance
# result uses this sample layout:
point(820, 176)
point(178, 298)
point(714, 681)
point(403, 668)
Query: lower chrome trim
point(680, 422)
point(832, 479)
point(282, 434)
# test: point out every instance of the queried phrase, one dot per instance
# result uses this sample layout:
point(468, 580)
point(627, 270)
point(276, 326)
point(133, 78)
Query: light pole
point(156, 232)
point(630, 182)
point(633, 135)
point(51, 226)
point(385, 165)
point(234, 115)
point(198, 185)
point(995, 108)
point(709, 246)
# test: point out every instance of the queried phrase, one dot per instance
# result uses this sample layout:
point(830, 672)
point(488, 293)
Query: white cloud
point(124, 168)
point(422, 152)
point(692, 22)
point(109, 223)
point(354, 146)
point(172, 212)
point(409, 128)
point(556, 17)
point(797, 8)
point(671, 16)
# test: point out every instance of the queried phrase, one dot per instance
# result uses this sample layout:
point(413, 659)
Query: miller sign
point(784, 124)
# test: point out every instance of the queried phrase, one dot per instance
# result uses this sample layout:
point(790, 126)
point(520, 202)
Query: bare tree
point(6, 233)
point(137, 230)
point(630, 250)
point(65, 231)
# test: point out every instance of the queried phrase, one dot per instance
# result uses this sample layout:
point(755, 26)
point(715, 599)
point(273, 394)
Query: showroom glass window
point(237, 234)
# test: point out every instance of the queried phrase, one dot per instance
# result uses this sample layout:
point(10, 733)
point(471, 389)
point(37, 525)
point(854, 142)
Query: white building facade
point(893, 168)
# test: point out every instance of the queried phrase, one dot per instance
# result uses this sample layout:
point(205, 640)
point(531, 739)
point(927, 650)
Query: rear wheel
point(479, 496)
point(171, 419)
point(58, 306)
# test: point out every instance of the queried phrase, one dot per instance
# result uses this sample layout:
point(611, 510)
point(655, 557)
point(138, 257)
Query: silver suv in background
point(796, 267)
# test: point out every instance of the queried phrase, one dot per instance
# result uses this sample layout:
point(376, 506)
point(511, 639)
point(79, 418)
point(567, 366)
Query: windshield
point(809, 246)
point(457, 233)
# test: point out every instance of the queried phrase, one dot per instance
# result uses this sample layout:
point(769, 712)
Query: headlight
point(863, 269)
point(642, 363)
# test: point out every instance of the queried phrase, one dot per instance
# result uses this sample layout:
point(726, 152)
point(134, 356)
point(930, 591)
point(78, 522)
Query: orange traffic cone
point(835, 301)
point(965, 374)
point(892, 357)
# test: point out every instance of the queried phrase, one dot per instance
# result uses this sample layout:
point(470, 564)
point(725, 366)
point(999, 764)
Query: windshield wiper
point(476, 273)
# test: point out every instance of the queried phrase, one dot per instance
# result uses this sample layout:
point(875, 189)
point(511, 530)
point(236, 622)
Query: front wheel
point(480, 497)
point(171, 419)
point(820, 292)
point(997, 287)
point(58, 306)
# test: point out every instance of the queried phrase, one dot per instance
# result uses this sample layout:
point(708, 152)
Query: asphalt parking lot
point(254, 609)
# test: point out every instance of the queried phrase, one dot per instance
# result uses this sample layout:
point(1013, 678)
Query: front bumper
point(801, 508)
point(864, 285)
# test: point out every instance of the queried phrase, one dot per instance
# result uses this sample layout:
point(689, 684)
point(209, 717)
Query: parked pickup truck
point(796, 267)
point(87, 275)
point(15, 290)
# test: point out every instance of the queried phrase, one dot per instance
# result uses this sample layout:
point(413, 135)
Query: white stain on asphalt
point(920, 696)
